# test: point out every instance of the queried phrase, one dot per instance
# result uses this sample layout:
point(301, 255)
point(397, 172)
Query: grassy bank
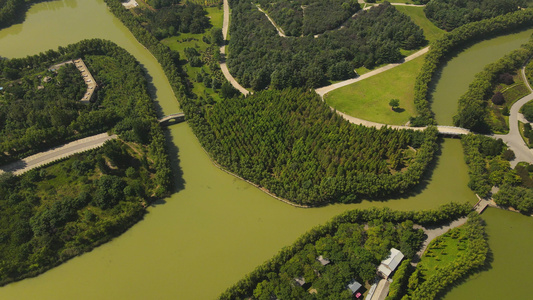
point(431, 32)
point(369, 99)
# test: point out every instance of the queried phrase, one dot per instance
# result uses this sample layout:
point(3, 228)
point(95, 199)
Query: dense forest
point(474, 111)
point(450, 14)
point(51, 214)
point(41, 108)
point(353, 251)
point(304, 17)
point(488, 163)
point(259, 58)
point(171, 20)
point(291, 143)
point(453, 41)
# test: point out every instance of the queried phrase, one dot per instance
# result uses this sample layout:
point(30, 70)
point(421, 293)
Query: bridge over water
point(172, 119)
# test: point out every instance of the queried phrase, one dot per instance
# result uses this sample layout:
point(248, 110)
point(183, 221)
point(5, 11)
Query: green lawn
point(216, 16)
point(418, 16)
point(369, 98)
point(443, 250)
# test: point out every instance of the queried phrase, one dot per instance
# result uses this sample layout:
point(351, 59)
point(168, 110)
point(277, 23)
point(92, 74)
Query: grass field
point(443, 251)
point(522, 134)
point(418, 16)
point(369, 99)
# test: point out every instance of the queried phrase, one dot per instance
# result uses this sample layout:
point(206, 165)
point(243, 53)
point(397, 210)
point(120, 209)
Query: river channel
point(216, 228)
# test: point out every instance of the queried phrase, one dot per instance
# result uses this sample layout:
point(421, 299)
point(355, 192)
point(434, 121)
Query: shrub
point(498, 99)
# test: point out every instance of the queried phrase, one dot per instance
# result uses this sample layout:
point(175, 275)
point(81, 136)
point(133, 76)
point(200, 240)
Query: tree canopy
point(450, 14)
point(260, 58)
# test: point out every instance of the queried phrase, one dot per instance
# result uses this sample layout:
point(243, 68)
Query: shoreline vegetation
point(474, 111)
point(58, 211)
point(452, 41)
point(245, 287)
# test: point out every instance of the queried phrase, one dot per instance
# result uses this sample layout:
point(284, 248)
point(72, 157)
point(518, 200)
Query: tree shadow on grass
point(398, 109)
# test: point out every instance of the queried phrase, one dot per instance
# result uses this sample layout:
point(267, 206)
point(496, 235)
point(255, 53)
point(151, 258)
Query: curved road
point(43, 158)
point(223, 66)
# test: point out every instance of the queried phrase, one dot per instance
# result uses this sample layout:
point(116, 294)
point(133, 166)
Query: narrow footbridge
point(452, 131)
point(173, 118)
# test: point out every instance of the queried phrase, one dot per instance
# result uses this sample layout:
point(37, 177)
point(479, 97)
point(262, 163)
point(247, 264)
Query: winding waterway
point(456, 74)
point(211, 232)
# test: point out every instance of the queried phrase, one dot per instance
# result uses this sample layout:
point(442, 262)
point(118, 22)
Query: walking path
point(223, 65)
point(432, 233)
point(86, 75)
point(279, 29)
point(57, 153)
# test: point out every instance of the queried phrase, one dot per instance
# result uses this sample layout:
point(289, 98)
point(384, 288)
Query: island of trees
point(354, 243)
point(53, 213)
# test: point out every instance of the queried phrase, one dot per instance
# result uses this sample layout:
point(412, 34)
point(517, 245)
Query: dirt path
point(279, 29)
point(223, 65)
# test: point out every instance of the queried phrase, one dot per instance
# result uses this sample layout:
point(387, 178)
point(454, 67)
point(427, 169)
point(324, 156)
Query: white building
point(390, 264)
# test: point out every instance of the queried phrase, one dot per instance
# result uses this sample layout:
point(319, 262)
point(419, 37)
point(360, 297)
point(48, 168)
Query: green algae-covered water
point(510, 240)
point(216, 228)
point(458, 72)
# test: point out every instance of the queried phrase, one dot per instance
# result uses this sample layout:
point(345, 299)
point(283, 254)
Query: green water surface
point(457, 73)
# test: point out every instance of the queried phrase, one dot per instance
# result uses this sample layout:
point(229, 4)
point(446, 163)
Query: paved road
point(324, 90)
point(223, 65)
point(451, 130)
point(513, 138)
point(54, 154)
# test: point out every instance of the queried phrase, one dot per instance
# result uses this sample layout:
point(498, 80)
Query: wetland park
point(211, 228)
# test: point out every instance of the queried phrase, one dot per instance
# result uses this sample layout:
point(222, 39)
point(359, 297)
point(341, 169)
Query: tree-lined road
point(43, 158)
point(223, 65)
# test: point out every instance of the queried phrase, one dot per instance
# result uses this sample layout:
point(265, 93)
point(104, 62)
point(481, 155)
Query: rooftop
point(389, 264)
point(322, 260)
point(354, 286)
